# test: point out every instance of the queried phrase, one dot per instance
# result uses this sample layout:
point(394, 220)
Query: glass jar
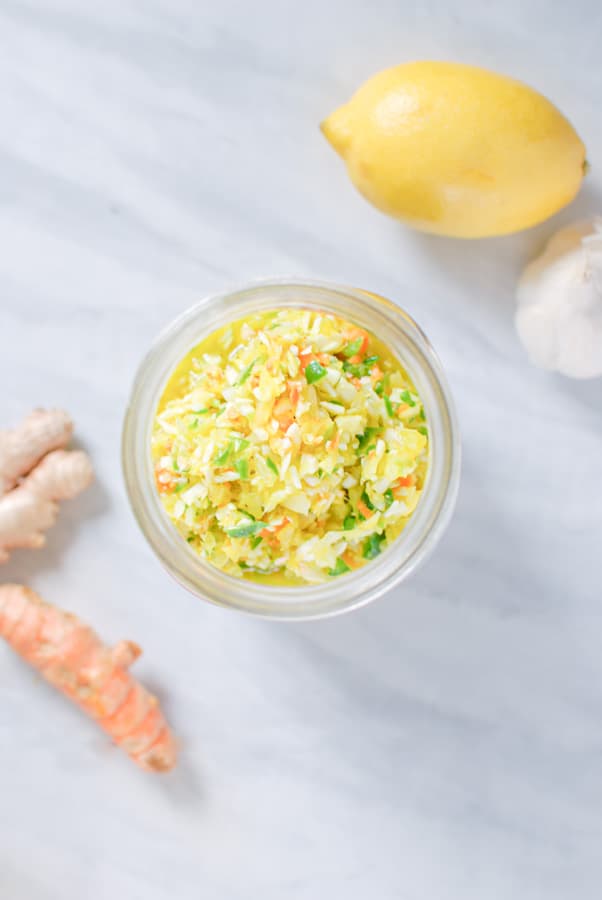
point(426, 525)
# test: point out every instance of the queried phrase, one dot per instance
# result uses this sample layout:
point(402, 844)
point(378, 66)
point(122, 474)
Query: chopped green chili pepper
point(372, 544)
point(244, 375)
point(353, 348)
point(366, 499)
point(359, 370)
point(314, 371)
point(242, 467)
point(366, 437)
point(248, 530)
point(222, 457)
point(340, 568)
point(383, 386)
point(271, 465)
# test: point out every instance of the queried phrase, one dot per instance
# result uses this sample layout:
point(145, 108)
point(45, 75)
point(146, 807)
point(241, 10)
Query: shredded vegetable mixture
point(290, 446)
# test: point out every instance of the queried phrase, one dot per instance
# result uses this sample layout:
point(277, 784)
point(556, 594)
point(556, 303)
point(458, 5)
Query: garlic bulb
point(559, 315)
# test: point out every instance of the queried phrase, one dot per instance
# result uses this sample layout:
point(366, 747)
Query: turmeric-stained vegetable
point(311, 441)
point(72, 658)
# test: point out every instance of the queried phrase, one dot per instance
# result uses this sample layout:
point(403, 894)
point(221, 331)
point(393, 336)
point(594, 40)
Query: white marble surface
point(443, 744)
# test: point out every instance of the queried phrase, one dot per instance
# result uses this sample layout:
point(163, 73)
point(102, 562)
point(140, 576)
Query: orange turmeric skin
point(70, 656)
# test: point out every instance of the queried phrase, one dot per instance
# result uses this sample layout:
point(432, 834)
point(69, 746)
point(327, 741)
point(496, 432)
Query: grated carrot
point(401, 483)
point(349, 559)
point(365, 510)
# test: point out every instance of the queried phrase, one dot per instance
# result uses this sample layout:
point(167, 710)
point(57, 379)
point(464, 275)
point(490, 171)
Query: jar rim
point(391, 324)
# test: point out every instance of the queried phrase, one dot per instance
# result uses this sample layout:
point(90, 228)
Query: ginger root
point(34, 450)
point(22, 447)
point(72, 658)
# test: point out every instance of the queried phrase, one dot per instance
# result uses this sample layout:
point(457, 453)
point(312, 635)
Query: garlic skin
point(559, 314)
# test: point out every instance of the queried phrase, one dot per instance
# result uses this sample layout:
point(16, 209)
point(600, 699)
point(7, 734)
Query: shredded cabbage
point(290, 444)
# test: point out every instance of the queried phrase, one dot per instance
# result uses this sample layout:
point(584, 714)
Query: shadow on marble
point(18, 884)
point(183, 787)
point(487, 269)
point(428, 670)
point(587, 392)
point(467, 576)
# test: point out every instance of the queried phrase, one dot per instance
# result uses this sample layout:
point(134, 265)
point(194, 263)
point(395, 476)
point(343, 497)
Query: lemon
point(457, 150)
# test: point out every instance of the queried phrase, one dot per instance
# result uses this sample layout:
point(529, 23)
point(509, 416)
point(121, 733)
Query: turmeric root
point(30, 509)
point(72, 658)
